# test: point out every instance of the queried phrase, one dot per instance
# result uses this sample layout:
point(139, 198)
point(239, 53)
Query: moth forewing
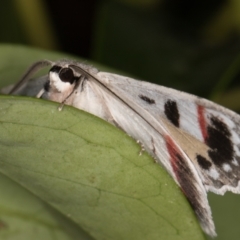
point(197, 141)
point(213, 127)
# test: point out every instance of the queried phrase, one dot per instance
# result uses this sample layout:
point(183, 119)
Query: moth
point(196, 140)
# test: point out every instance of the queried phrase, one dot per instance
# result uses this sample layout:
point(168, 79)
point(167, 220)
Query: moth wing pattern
point(208, 135)
point(196, 140)
point(207, 132)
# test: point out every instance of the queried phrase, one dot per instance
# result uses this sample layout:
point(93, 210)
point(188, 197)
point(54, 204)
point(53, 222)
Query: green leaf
point(23, 214)
point(86, 169)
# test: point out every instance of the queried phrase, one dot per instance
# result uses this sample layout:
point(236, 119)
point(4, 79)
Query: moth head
point(62, 82)
point(62, 79)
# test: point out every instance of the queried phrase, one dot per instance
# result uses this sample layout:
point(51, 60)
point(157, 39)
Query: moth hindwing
point(197, 141)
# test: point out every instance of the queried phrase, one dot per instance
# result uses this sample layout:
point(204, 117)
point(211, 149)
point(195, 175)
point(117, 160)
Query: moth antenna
point(32, 70)
point(80, 70)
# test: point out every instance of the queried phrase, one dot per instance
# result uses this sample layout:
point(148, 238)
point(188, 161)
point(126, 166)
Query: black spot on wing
point(220, 126)
point(203, 162)
point(147, 99)
point(219, 141)
point(171, 112)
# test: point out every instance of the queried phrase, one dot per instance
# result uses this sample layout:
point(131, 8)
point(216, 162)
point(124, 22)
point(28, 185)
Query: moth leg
point(41, 92)
point(60, 107)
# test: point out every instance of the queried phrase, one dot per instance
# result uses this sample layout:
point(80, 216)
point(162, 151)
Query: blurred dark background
point(189, 45)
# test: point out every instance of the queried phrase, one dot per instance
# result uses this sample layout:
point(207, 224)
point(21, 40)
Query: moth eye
point(55, 69)
point(66, 75)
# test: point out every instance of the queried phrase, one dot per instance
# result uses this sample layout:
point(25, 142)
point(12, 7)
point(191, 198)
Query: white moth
point(196, 140)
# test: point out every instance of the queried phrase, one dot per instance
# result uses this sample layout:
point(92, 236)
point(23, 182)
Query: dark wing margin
point(190, 187)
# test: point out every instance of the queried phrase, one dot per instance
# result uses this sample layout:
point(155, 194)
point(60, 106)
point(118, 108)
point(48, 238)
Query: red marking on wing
point(181, 169)
point(174, 154)
point(202, 122)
